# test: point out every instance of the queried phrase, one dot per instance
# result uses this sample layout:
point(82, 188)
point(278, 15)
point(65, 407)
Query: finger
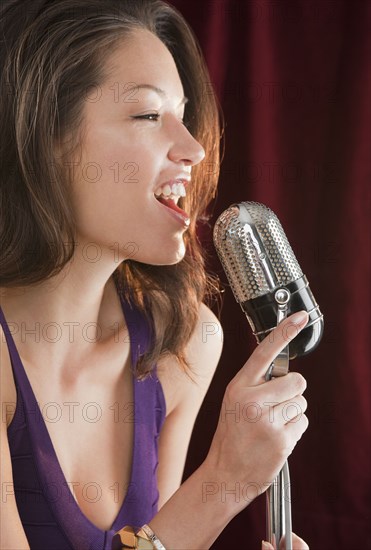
point(281, 389)
point(297, 543)
point(290, 411)
point(253, 371)
point(295, 430)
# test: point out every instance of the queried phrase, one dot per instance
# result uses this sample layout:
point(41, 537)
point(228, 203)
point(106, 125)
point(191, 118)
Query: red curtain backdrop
point(292, 79)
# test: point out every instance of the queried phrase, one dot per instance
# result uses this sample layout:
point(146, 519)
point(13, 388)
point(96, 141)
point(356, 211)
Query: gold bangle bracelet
point(127, 538)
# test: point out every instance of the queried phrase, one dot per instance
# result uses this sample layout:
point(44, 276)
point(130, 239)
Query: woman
point(103, 116)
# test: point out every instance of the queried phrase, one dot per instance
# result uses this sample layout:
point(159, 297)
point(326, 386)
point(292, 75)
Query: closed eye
point(153, 117)
point(149, 116)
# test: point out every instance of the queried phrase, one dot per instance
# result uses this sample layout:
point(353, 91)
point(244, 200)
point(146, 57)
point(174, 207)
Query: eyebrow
point(159, 91)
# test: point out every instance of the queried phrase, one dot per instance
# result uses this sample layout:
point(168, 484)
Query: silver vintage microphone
point(269, 285)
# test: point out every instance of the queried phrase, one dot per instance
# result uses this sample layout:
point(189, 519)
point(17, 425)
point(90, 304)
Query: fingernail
point(265, 545)
point(299, 318)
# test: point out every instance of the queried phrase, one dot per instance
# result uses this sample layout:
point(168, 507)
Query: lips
point(174, 210)
point(171, 204)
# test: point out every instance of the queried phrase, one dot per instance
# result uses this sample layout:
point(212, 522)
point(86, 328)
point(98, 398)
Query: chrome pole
point(278, 505)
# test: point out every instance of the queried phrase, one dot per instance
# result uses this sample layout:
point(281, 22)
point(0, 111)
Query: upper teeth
point(173, 191)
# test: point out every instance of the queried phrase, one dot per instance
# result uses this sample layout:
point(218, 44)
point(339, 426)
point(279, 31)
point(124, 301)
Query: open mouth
point(174, 209)
point(170, 195)
point(170, 203)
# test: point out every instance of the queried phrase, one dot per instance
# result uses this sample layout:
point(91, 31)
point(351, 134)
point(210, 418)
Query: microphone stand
point(278, 494)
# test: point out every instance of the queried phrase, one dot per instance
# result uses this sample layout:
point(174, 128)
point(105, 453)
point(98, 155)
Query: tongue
point(171, 204)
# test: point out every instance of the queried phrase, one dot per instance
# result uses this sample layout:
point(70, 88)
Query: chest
point(93, 441)
point(91, 427)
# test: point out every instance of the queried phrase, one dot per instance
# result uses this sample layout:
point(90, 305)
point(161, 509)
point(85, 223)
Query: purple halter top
point(50, 515)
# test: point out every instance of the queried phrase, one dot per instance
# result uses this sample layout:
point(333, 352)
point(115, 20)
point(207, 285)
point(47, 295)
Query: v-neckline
point(46, 442)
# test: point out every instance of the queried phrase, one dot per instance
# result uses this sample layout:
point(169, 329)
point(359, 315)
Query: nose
point(185, 148)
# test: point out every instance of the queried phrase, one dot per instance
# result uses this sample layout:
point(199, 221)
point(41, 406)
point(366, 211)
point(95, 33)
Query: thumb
point(253, 371)
point(266, 545)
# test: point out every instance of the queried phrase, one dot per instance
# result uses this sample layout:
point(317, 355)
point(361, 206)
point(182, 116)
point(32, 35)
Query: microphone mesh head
point(254, 251)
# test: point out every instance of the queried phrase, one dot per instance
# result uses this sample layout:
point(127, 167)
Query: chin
point(164, 257)
point(177, 257)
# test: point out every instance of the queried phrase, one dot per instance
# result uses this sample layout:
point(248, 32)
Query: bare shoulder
point(205, 346)
point(203, 352)
point(8, 394)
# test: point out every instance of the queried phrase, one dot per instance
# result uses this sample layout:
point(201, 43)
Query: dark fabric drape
point(292, 78)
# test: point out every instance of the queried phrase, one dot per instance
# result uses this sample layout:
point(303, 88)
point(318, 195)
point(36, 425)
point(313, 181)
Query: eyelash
point(146, 117)
point(157, 116)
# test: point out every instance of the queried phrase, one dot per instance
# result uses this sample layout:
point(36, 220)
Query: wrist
point(219, 489)
point(199, 508)
point(234, 492)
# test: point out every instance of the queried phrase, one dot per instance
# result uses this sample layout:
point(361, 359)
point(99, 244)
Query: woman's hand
point(297, 544)
point(260, 421)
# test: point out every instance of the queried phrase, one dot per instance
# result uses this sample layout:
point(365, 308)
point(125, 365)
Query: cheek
point(121, 165)
point(113, 189)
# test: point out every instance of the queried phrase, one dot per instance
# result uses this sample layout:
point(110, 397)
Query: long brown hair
point(52, 54)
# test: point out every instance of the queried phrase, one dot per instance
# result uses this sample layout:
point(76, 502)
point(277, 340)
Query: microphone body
point(259, 263)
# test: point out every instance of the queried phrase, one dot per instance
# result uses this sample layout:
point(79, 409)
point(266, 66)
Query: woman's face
point(127, 154)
